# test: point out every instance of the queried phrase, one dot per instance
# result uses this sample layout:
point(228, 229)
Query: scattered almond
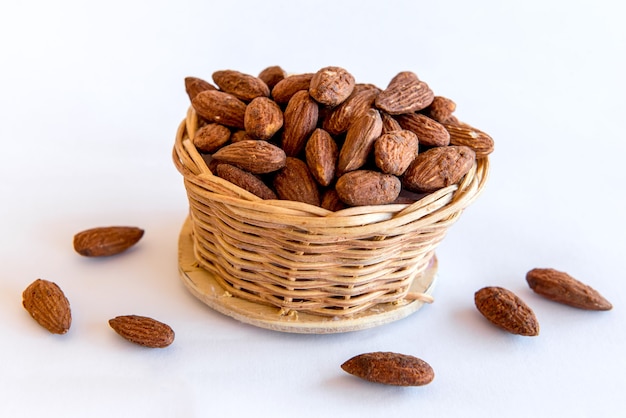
point(47, 304)
point(390, 369)
point(506, 310)
point(142, 330)
point(106, 241)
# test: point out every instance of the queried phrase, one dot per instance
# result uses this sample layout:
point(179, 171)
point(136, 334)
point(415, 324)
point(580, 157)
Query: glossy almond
point(331, 85)
point(563, 288)
point(295, 182)
point(106, 241)
point(263, 118)
point(284, 90)
point(220, 107)
point(359, 141)
point(245, 180)
point(405, 93)
point(430, 132)
point(321, 153)
point(506, 310)
point(142, 330)
point(300, 119)
point(255, 156)
point(243, 86)
point(438, 167)
point(390, 369)
point(47, 304)
point(395, 151)
point(367, 187)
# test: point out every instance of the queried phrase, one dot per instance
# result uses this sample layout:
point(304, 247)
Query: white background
point(91, 94)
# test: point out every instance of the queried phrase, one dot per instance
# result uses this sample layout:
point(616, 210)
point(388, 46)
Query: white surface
point(90, 98)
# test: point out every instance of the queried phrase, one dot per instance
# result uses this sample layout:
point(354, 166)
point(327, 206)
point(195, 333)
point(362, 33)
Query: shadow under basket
point(294, 267)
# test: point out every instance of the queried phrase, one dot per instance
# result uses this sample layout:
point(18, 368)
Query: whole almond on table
point(300, 119)
point(405, 93)
point(220, 107)
point(272, 75)
point(47, 304)
point(338, 120)
point(142, 330)
point(367, 187)
point(243, 86)
point(211, 137)
point(563, 288)
point(284, 90)
point(390, 369)
point(331, 85)
point(321, 153)
point(359, 141)
point(464, 134)
point(255, 156)
point(106, 241)
point(395, 151)
point(506, 310)
point(245, 180)
point(437, 168)
point(263, 118)
point(295, 182)
point(430, 132)
point(194, 85)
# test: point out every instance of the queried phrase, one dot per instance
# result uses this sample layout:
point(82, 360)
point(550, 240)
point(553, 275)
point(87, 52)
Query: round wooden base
point(202, 284)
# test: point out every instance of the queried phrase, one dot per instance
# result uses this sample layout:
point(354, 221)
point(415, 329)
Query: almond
point(339, 119)
point(331, 85)
point(194, 85)
point(321, 156)
point(47, 304)
point(255, 156)
point(263, 118)
point(331, 201)
point(390, 369)
point(300, 119)
point(107, 240)
point(430, 132)
point(464, 134)
point(440, 109)
point(241, 135)
point(359, 141)
point(220, 107)
point(295, 182)
point(243, 86)
point(389, 123)
point(563, 288)
point(438, 167)
point(395, 151)
point(272, 75)
point(405, 93)
point(506, 310)
point(245, 180)
point(284, 90)
point(211, 137)
point(142, 330)
point(367, 187)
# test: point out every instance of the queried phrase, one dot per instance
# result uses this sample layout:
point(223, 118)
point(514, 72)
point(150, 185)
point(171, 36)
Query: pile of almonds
point(323, 139)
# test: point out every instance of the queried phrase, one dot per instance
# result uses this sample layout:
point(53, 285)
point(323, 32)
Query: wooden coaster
point(202, 284)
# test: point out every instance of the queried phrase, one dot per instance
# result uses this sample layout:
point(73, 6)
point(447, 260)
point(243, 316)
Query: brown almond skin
point(245, 180)
point(300, 119)
point(389, 123)
point(437, 168)
point(295, 182)
point(338, 120)
point(506, 310)
point(367, 187)
point(142, 330)
point(106, 241)
point(464, 134)
point(272, 75)
point(560, 287)
point(211, 137)
point(331, 201)
point(440, 109)
point(390, 369)
point(405, 93)
point(47, 304)
point(220, 107)
point(263, 118)
point(255, 156)
point(331, 85)
point(243, 86)
point(430, 132)
point(321, 154)
point(359, 141)
point(395, 151)
point(284, 90)
point(194, 85)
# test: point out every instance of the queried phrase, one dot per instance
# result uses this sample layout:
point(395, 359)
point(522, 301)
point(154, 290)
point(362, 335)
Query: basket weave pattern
point(300, 257)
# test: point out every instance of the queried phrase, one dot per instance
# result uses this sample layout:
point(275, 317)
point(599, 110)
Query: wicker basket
point(300, 257)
